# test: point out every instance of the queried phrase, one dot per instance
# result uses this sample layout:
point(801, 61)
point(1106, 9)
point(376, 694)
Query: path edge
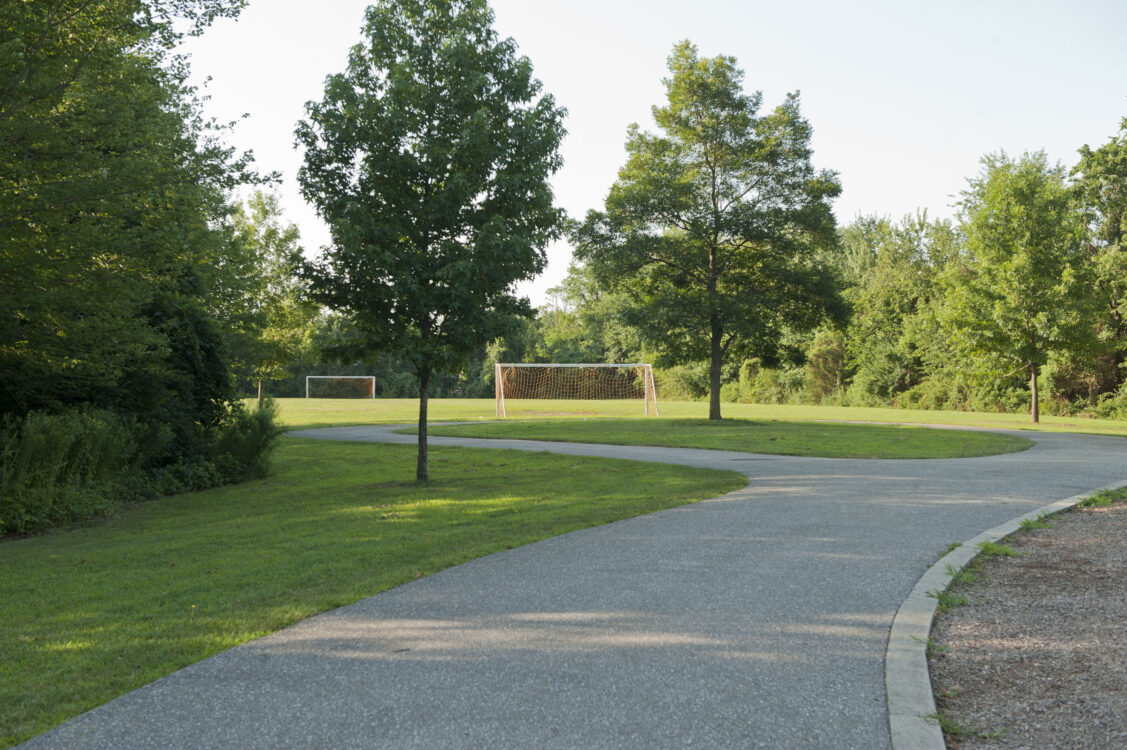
point(907, 681)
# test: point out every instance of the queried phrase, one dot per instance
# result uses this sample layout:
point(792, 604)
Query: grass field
point(90, 613)
point(777, 437)
point(298, 412)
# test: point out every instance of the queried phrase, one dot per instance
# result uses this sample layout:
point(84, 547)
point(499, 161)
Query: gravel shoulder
point(1037, 657)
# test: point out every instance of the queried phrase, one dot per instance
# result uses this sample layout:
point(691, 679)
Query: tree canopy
point(715, 228)
point(429, 159)
point(1020, 291)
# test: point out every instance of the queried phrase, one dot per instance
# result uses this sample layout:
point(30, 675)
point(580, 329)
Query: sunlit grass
point(776, 437)
point(90, 613)
point(297, 412)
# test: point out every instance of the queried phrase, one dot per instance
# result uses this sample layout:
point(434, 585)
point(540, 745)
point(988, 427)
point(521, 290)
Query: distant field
point(299, 412)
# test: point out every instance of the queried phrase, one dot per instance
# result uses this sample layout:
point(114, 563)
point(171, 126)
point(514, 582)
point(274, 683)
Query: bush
point(59, 468)
point(244, 441)
point(75, 465)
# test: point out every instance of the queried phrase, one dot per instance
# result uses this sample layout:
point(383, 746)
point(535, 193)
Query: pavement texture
point(756, 619)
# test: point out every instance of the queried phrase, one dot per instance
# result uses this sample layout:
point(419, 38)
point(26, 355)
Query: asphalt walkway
point(756, 619)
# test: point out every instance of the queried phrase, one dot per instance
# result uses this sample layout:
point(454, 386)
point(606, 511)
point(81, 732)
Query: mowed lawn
point(777, 437)
point(89, 613)
point(299, 412)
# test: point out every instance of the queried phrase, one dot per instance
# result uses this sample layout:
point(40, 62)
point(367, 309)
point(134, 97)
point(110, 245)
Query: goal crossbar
point(636, 381)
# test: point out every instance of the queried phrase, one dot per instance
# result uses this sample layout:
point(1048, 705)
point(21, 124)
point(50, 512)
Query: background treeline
point(133, 289)
point(927, 299)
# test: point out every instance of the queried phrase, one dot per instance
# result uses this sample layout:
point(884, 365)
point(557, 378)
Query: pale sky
point(904, 96)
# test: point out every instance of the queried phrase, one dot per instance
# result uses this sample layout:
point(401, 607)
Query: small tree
point(268, 318)
point(429, 158)
point(713, 228)
point(1021, 289)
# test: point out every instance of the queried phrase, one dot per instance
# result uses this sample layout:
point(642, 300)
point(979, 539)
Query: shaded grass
point(785, 438)
point(298, 412)
point(89, 613)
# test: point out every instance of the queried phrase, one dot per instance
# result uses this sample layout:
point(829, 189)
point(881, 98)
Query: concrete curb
point(906, 679)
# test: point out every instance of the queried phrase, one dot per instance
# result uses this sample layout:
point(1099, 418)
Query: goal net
point(340, 386)
point(575, 381)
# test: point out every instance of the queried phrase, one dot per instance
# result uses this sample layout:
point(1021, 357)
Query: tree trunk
point(714, 372)
point(1035, 403)
point(421, 466)
point(260, 393)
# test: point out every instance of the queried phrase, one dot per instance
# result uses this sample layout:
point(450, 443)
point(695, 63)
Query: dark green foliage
point(59, 468)
point(243, 441)
point(429, 158)
point(118, 271)
point(74, 465)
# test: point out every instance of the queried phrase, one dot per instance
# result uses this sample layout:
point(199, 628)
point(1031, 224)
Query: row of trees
point(1018, 303)
point(717, 243)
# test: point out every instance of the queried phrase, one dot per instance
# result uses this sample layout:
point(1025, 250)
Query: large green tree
point(429, 159)
point(110, 191)
point(714, 226)
point(1021, 288)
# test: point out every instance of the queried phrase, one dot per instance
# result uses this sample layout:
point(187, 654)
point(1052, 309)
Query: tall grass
point(57, 468)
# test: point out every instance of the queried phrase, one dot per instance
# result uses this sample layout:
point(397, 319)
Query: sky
point(904, 96)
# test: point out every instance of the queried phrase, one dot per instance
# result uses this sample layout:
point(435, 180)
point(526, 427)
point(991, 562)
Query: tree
point(892, 271)
point(713, 228)
point(267, 314)
point(1020, 291)
point(429, 158)
point(111, 188)
point(1102, 189)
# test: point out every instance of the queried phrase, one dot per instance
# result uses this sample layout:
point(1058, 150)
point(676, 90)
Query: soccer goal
point(340, 386)
point(578, 381)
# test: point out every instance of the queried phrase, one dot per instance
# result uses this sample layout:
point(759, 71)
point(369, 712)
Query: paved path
point(757, 619)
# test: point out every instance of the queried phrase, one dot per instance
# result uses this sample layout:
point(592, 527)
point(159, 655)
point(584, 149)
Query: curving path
point(756, 619)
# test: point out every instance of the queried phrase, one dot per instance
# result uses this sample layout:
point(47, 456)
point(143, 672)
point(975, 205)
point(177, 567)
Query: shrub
point(58, 468)
point(244, 441)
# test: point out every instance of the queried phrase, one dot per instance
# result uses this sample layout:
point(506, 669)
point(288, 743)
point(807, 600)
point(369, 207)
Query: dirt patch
point(1037, 658)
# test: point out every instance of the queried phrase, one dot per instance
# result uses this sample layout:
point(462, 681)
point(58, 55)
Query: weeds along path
point(756, 619)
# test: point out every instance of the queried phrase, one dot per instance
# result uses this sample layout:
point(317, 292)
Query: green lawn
point(787, 438)
point(298, 412)
point(89, 613)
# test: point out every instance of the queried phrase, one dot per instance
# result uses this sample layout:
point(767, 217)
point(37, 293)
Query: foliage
point(109, 187)
point(267, 316)
point(1019, 289)
point(1102, 191)
point(60, 468)
point(429, 158)
point(714, 227)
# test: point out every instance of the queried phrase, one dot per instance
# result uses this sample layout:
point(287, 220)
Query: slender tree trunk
point(1035, 402)
point(424, 386)
point(260, 393)
point(714, 372)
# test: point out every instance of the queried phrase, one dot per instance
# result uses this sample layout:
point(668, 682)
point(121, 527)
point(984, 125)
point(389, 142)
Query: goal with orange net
point(517, 381)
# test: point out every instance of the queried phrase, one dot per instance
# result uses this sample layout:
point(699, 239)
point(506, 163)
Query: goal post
point(369, 379)
point(586, 381)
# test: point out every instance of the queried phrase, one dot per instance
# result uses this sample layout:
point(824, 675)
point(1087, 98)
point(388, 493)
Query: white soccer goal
point(574, 381)
point(364, 389)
